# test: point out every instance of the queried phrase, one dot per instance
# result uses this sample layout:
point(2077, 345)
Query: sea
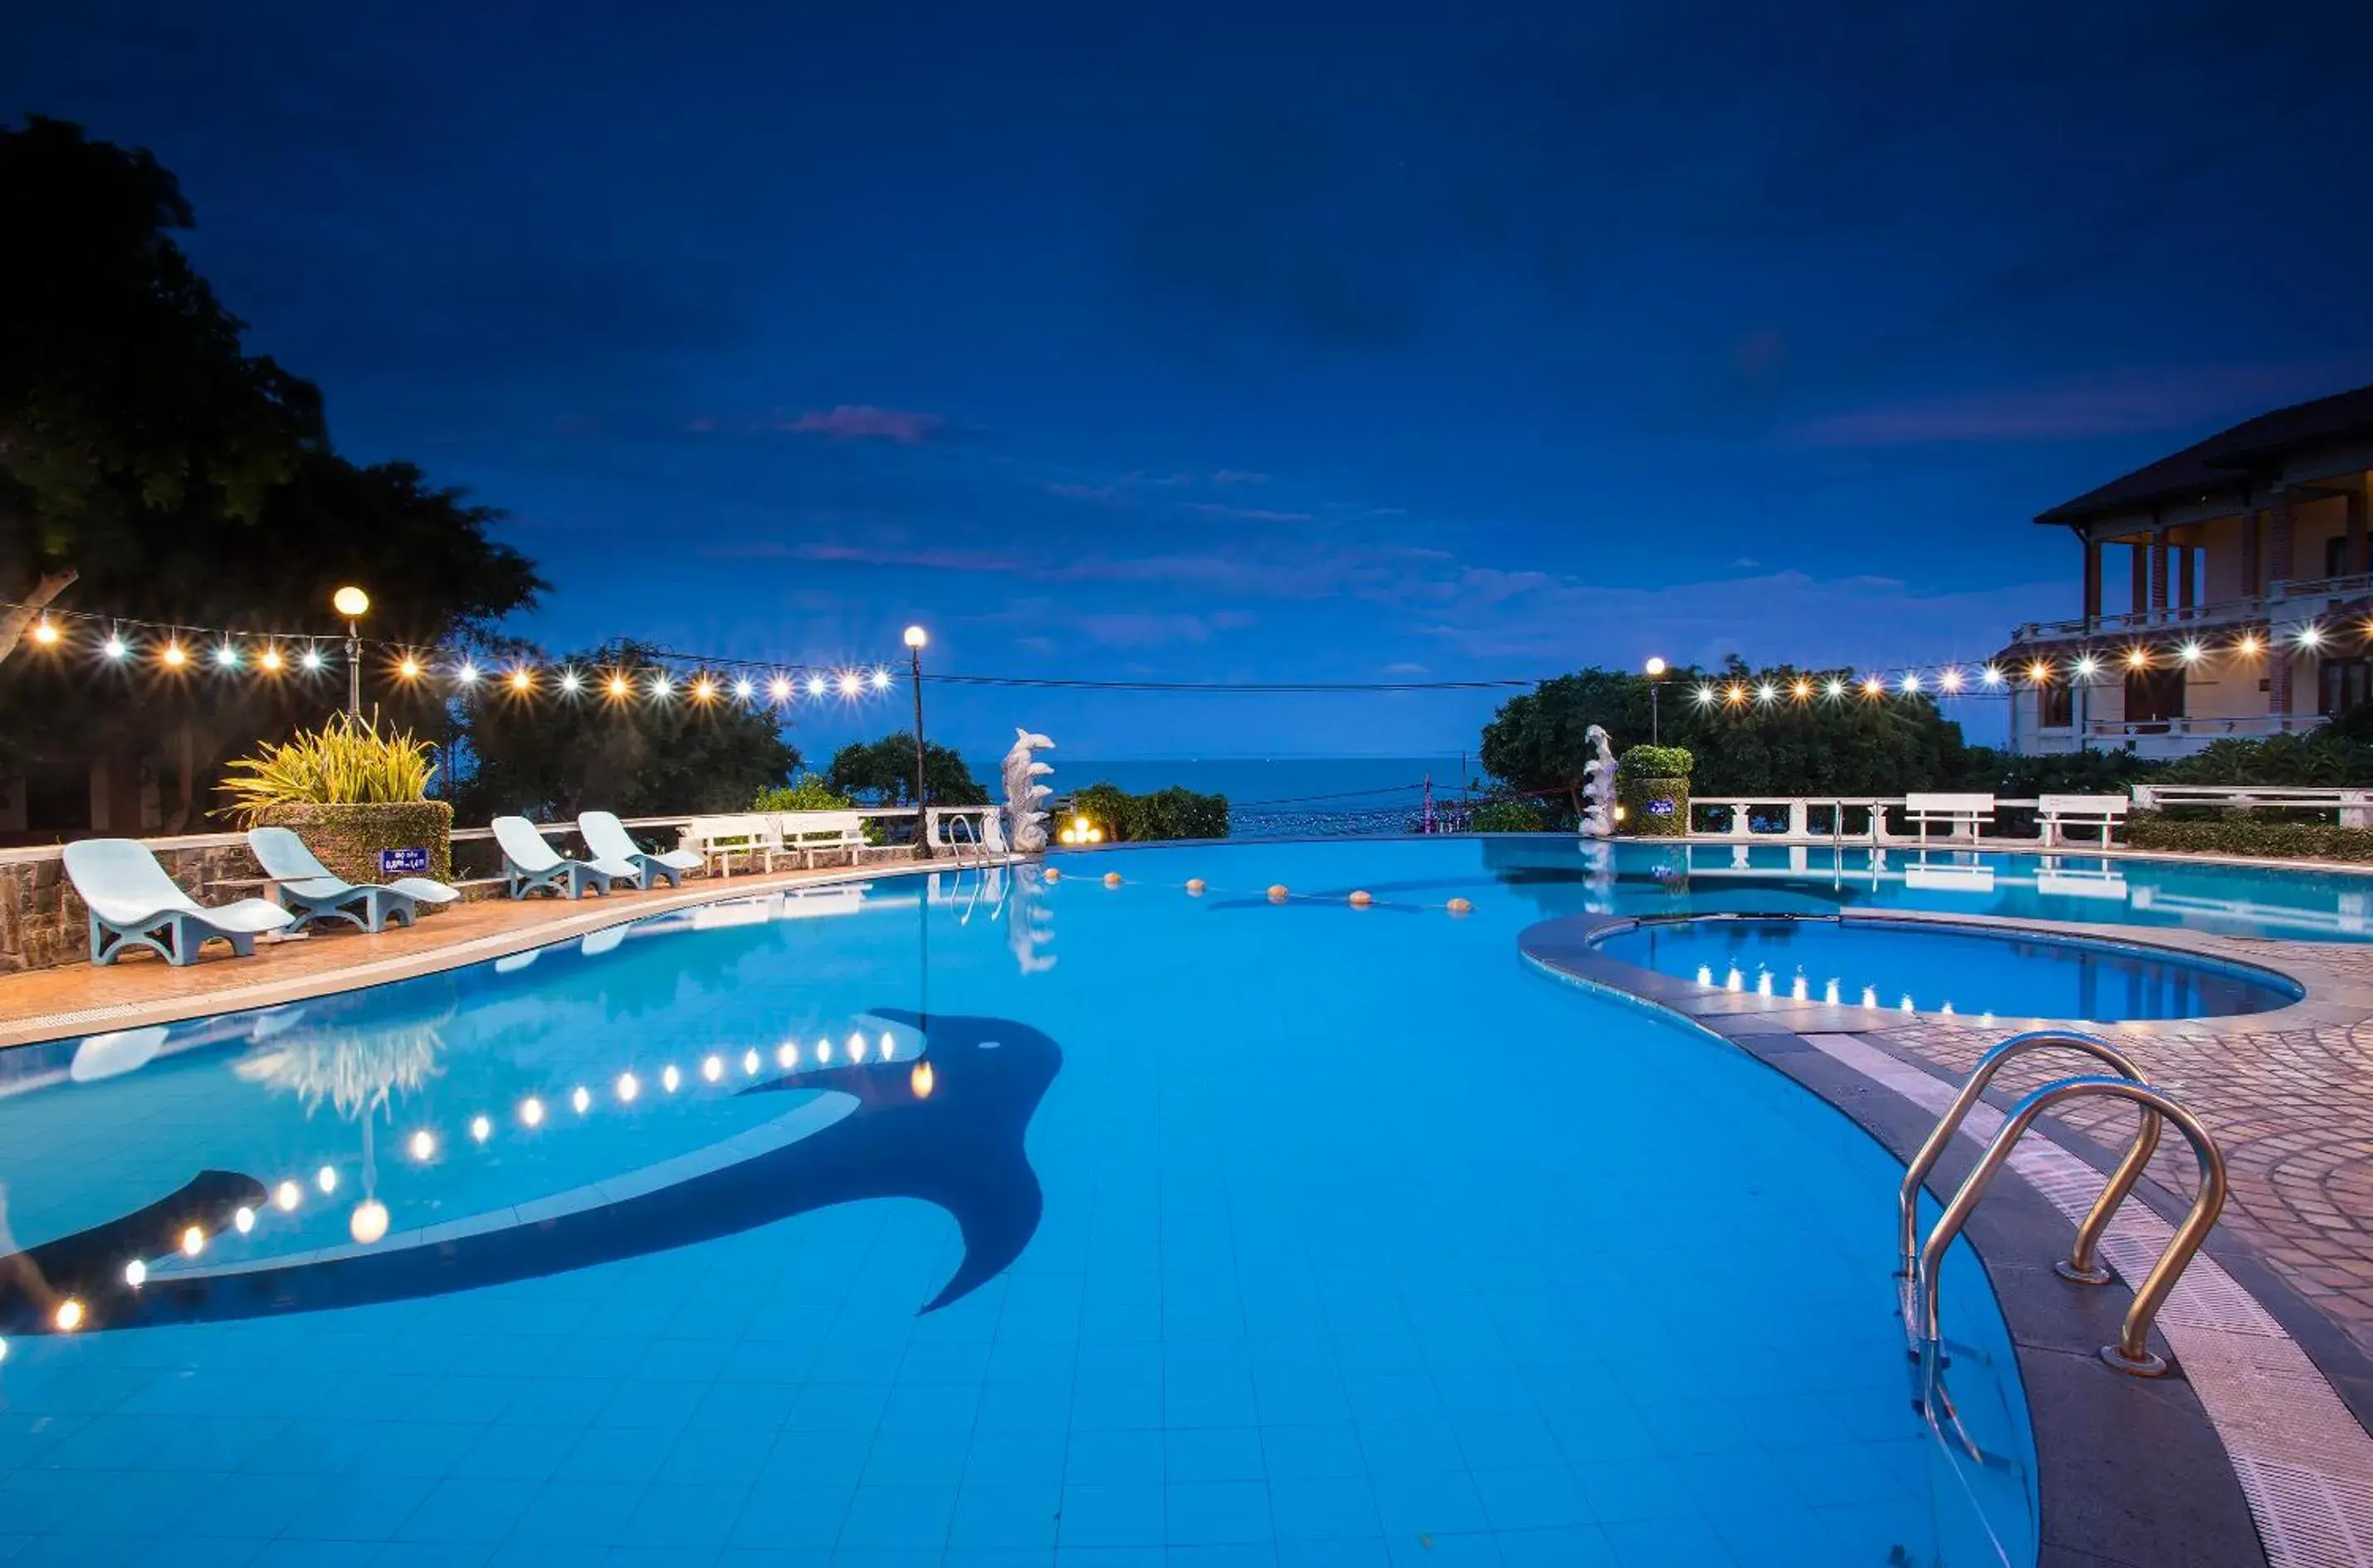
point(1277, 797)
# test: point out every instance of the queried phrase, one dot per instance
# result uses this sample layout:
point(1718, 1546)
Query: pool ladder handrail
point(2081, 1265)
point(2131, 1353)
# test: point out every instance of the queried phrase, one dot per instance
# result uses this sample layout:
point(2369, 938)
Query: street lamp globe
point(916, 637)
point(1655, 667)
point(350, 602)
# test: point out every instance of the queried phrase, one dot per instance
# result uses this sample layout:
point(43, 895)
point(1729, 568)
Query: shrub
point(1508, 816)
point(805, 793)
point(346, 762)
point(2247, 835)
point(1655, 762)
point(1175, 812)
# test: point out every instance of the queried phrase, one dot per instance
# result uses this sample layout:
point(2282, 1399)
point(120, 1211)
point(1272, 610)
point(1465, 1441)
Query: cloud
point(2134, 403)
point(926, 558)
point(1247, 514)
point(863, 421)
point(1084, 492)
point(1406, 668)
point(1132, 629)
point(1238, 476)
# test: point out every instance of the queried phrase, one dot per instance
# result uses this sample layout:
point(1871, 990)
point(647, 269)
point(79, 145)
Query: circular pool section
point(1972, 970)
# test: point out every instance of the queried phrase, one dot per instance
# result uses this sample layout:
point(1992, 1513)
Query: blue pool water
point(1143, 1227)
point(1968, 970)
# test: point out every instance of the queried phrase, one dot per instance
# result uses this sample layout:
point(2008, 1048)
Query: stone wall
point(42, 924)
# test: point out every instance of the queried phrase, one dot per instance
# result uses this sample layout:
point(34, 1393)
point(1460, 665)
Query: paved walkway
point(142, 990)
point(2289, 1106)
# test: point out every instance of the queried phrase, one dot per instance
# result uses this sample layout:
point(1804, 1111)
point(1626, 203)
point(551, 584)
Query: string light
point(115, 647)
point(849, 685)
point(2137, 658)
point(1992, 677)
point(1950, 680)
point(616, 686)
point(1872, 686)
point(312, 660)
point(815, 686)
point(2039, 672)
point(2248, 646)
point(467, 674)
point(1837, 688)
point(570, 681)
point(227, 655)
point(2310, 637)
point(880, 680)
point(269, 658)
point(2189, 653)
point(1765, 692)
point(778, 688)
point(2086, 665)
point(409, 668)
point(1705, 696)
point(702, 690)
point(521, 681)
point(1910, 683)
point(741, 688)
point(46, 633)
point(1802, 688)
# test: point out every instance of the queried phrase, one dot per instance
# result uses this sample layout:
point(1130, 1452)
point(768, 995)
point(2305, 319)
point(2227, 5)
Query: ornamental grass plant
point(346, 762)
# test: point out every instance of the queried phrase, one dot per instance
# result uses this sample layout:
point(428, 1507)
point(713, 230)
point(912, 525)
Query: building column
point(2250, 586)
point(2159, 573)
point(2092, 582)
point(2187, 562)
point(2278, 541)
point(2138, 562)
point(2357, 562)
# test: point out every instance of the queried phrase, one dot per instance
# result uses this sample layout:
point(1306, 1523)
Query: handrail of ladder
point(2081, 1265)
point(2131, 1353)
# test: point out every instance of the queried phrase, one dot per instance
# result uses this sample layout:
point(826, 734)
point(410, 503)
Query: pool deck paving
point(141, 990)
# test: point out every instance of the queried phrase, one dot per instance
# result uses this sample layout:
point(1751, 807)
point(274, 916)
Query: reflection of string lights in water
point(370, 1221)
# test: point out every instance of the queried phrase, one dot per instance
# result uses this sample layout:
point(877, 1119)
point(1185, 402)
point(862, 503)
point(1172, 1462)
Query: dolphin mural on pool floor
point(947, 1128)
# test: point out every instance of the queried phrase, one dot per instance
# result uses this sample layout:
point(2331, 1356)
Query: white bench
point(717, 839)
point(810, 834)
point(2055, 813)
point(1962, 816)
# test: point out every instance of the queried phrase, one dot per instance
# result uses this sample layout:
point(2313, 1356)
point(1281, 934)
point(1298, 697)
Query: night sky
point(1274, 342)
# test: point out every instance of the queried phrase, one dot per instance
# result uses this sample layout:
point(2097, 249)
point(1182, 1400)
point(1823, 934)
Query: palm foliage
point(346, 762)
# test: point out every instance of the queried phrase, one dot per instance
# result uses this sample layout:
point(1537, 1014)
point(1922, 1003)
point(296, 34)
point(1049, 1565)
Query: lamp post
point(354, 604)
point(915, 638)
point(1656, 669)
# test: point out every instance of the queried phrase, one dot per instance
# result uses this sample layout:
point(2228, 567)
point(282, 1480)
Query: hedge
point(1508, 816)
point(1175, 812)
point(2237, 835)
point(348, 837)
point(1655, 762)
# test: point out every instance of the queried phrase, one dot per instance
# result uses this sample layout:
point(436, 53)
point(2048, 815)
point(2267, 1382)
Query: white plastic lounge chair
point(134, 904)
point(529, 863)
point(607, 837)
point(311, 892)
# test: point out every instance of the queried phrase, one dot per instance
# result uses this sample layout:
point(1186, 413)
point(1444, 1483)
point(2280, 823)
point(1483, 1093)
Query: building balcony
point(2290, 602)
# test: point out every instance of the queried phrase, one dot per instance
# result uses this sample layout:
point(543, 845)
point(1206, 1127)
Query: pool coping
point(2190, 1502)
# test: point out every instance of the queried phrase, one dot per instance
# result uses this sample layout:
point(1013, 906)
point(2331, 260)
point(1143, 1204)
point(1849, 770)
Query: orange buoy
point(1112, 879)
point(1194, 886)
point(1276, 892)
point(1460, 906)
point(1053, 875)
point(1361, 898)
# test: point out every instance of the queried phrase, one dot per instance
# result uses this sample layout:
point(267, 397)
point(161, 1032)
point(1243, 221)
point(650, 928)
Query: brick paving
point(2289, 1109)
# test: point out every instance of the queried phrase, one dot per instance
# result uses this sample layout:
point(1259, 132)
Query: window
point(2154, 696)
point(2055, 708)
point(2344, 683)
point(2336, 556)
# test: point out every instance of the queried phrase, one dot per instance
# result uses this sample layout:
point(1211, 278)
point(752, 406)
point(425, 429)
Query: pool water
point(1968, 970)
point(1084, 1225)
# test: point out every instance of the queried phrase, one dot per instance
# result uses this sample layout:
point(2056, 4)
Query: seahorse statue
point(1025, 822)
point(1598, 786)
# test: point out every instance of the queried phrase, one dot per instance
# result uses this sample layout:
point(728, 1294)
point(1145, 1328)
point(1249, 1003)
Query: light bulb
point(115, 648)
point(570, 681)
point(531, 1111)
point(671, 1080)
point(69, 1316)
point(409, 668)
point(778, 688)
point(849, 685)
point(467, 674)
point(521, 680)
point(787, 1055)
point(312, 660)
point(741, 689)
point(880, 680)
point(194, 1241)
point(286, 1196)
point(424, 1144)
point(173, 656)
point(326, 1178)
point(481, 1128)
point(617, 685)
point(135, 1273)
point(46, 633)
point(712, 1068)
point(369, 1222)
point(242, 1220)
point(227, 655)
point(270, 660)
point(581, 1099)
point(749, 1064)
point(628, 1087)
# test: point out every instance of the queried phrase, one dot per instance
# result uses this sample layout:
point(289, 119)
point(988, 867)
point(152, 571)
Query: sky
point(1265, 343)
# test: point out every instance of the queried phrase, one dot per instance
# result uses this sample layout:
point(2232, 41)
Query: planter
point(1654, 808)
point(348, 838)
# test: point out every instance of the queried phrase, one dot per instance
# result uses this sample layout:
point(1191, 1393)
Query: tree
point(1745, 743)
point(552, 754)
point(884, 772)
point(126, 404)
point(166, 475)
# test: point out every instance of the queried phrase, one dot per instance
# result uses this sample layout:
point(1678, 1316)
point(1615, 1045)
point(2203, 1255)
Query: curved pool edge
point(1571, 942)
point(2129, 1470)
point(583, 917)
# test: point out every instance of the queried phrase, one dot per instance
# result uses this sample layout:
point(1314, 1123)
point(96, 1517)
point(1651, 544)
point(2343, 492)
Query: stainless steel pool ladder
point(1919, 1268)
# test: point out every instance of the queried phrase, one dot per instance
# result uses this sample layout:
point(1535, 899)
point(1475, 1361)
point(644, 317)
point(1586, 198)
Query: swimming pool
point(1162, 1228)
point(1982, 973)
